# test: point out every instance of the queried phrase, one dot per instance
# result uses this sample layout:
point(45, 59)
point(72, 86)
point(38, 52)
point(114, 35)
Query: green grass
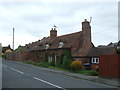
point(89, 72)
point(48, 65)
point(37, 64)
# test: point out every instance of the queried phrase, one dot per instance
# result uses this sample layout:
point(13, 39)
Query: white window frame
point(95, 60)
point(61, 44)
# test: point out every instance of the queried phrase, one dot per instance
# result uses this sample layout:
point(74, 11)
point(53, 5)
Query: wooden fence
point(16, 56)
point(109, 66)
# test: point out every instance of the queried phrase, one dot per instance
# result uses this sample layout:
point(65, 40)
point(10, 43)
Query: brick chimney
point(86, 30)
point(53, 33)
point(86, 25)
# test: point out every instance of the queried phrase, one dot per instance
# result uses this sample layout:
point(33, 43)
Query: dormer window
point(61, 44)
point(35, 47)
point(46, 46)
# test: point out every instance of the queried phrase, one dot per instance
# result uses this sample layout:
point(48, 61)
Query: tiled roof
point(112, 44)
point(101, 51)
point(68, 39)
point(74, 41)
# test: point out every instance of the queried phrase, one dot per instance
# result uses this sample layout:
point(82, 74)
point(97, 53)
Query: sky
point(33, 20)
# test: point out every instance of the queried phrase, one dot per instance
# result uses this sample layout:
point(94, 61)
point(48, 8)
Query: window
point(35, 47)
point(95, 60)
point(61, 44)
point(49, 59)
point(46, 46)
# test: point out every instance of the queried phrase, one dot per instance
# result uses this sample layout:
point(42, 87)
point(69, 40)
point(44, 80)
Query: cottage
point(51, 48)
point(78, 43)
point(95, 52)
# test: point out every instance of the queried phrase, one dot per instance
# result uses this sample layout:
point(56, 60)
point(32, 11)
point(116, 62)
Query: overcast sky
point(33, 20)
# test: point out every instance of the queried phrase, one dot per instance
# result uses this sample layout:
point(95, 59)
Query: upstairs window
point(35, 47)
point(95, 60)
point(46, 46)
point(61, 44)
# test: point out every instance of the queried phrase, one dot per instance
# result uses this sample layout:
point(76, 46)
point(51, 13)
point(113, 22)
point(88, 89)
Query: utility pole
point(13, 37)
point(90, 19)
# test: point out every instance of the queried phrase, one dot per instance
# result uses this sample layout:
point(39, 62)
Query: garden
point(66, 63)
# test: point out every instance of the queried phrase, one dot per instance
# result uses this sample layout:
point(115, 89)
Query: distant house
point(6, 48)
point(78, 43)
point(112, 44)
point(95, 52)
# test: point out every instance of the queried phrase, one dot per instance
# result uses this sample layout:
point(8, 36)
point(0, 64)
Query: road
point(20, 75)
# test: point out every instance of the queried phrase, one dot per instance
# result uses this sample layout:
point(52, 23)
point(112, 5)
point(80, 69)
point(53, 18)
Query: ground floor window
point(95, 60)
point(49, 59)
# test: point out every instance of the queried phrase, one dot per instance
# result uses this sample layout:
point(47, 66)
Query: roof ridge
point(69, 34)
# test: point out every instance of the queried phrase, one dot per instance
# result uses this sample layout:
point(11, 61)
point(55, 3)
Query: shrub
point(46, 58)
point(8, 50)
point(76, 65)
point(43, 64)
point(67, 59)
point(59, 62)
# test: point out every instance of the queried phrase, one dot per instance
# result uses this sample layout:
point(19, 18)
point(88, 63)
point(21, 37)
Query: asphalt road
point(19, 75)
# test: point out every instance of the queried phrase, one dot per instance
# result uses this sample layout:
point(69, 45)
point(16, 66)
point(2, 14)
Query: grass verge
point(48, 65)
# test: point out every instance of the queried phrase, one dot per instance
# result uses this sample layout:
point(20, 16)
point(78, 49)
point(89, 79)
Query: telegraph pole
point(13, 37)
point(90, 19)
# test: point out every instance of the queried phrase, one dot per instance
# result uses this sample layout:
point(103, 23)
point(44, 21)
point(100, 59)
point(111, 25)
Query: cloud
point(33, 20)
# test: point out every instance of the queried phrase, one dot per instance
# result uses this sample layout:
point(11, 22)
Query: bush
point(67, 59)
point(52, 63)
point(8, 50)
point(46, 58)
point(76, 65)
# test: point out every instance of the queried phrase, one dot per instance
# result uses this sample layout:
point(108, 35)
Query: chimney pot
point(85, 25)
point(53, 33)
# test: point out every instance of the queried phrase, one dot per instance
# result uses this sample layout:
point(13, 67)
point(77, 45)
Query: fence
point(109, 66)
point(16, 56)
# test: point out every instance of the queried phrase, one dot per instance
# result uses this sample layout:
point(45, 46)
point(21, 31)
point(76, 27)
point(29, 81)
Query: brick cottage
point(53, 46)
point(78, 43)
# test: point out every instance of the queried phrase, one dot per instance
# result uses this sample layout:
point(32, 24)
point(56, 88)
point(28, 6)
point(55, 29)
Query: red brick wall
point(94, 66)
point(17, 56)
point(109, 66)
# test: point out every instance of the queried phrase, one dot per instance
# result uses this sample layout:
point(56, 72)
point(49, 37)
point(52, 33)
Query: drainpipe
point(55, 60)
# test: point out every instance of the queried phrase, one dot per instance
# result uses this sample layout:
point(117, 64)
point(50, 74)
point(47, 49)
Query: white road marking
point(17, 70)
point(4, 65)
point(48, 83)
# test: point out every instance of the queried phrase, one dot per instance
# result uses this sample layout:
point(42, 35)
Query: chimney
point(53, 33)
point(86, 25)
point(86, 30)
